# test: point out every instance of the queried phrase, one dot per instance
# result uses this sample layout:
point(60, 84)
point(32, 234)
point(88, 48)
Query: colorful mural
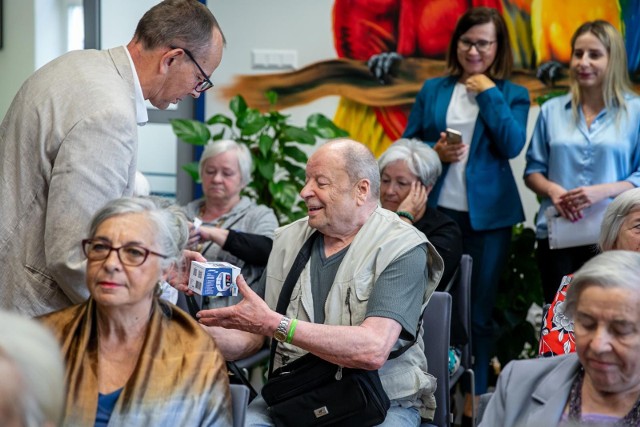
point(419, 31)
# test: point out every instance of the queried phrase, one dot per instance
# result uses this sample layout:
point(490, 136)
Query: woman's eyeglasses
point(481, 46)
point(131, 255)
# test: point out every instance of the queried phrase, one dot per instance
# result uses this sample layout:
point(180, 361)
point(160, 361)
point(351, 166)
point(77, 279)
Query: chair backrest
point(239, 402)
point(461, 293)
point(436, 323)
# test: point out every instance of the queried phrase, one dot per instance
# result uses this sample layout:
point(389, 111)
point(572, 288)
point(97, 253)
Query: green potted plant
point(278, 162)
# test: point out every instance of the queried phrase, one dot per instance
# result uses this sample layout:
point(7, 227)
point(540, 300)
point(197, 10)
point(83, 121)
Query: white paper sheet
point(566, 234)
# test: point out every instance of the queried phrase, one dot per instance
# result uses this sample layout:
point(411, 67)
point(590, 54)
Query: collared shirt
point(141, 109)
point(573, 154)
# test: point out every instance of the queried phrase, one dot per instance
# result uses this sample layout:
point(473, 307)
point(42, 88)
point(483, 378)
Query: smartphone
point(453, 136)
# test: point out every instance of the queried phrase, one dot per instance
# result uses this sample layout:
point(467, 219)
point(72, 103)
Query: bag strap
point(193, 307)
point(289, 283)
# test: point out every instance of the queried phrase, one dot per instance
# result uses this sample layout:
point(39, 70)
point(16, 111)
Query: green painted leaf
point(272, 97)
point(191, 131)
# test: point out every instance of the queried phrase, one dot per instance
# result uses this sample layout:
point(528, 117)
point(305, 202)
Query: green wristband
point(292, 330)
point(406, 215)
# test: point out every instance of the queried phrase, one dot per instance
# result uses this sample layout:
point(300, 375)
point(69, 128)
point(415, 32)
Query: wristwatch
point(281, 331)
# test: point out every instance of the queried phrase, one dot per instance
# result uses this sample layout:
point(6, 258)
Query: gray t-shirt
point(394, 295)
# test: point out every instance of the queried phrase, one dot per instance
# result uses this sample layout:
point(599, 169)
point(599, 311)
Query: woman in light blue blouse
point(586, 145)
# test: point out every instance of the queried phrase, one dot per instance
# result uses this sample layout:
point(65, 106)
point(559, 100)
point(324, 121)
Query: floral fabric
point(557, 337)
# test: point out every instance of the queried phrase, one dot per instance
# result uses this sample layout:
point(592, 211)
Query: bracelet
point(406, 215)
point(292, 330)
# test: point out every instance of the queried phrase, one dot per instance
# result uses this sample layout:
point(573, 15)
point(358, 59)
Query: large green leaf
point(193, 169)
point(320, 125)
point(251, 122)
point(265, 168)
point(191, 131)
point(265, 143)
point(220, 119)
point(293, 133)
point(295, 153)
point(284, 192)
point(238, 105)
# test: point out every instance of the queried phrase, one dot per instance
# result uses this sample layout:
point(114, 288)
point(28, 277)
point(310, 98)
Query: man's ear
point(363, 189)
point(169, 58)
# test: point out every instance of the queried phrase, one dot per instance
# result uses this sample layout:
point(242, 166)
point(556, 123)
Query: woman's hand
point(478, 83)
point(574, 201)
point(449, 153)
point(555, 193)
point(416, 201)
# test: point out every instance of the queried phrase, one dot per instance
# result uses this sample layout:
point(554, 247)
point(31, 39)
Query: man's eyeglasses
point(131, 255)
point(204, 85)
point(481, 46)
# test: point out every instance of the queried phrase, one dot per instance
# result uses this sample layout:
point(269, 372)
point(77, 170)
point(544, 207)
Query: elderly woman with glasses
point(599, 385)
point(476, 188)
point(131, 358)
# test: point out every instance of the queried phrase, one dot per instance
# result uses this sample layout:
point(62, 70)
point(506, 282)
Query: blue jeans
point(397, 416)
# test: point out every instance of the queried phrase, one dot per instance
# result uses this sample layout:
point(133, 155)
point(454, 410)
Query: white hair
point(421, 159)
point(36, 356)
point(242, 153)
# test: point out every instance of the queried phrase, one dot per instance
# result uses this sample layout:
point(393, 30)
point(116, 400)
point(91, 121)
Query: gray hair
point(186, 23)
point(245, 164)
point(360, 163)
point(615, 215)
point(611, 269)
point(172, 231)
point(421, 159)
point(35, 355)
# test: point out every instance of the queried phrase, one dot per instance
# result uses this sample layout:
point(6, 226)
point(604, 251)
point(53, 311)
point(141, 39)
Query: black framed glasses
point(130, 254)
point(204, 85)
point(481, 46)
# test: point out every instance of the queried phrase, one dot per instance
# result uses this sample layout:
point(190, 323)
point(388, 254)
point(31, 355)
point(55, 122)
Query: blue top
point(499, 135)
point(106, 403)
point(574, 155)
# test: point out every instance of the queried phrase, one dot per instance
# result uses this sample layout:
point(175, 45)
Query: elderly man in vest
point(359, 296)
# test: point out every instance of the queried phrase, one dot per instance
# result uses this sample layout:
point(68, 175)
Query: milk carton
point(213, 279)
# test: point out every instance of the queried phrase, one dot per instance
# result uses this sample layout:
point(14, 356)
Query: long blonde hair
point(616, 81)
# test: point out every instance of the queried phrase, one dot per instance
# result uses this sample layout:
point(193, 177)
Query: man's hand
point(250, 315)
point(179, 275)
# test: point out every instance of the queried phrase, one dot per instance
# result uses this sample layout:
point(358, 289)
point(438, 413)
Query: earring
point(158, 291)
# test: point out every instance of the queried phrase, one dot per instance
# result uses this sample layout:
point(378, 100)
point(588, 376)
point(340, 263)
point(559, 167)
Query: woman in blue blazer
point(477, 188)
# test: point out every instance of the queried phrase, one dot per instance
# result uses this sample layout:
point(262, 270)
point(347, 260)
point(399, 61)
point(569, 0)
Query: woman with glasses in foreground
point(131, 358)
point(477, 188)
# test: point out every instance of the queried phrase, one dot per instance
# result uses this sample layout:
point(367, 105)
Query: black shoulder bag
point(313, 392)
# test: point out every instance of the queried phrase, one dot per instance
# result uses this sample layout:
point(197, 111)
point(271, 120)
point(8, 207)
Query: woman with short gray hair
point(408, 170)
point(234, 228)
point(133, 359)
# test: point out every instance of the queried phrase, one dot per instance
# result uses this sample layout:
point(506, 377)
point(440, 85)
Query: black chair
point(460, 290)
point(436, 323)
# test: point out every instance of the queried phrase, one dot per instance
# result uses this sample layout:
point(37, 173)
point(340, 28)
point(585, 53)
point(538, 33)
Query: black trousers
point(557, 263)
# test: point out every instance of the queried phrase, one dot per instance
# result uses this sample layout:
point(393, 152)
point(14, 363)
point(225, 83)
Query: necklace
point(575, 405)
